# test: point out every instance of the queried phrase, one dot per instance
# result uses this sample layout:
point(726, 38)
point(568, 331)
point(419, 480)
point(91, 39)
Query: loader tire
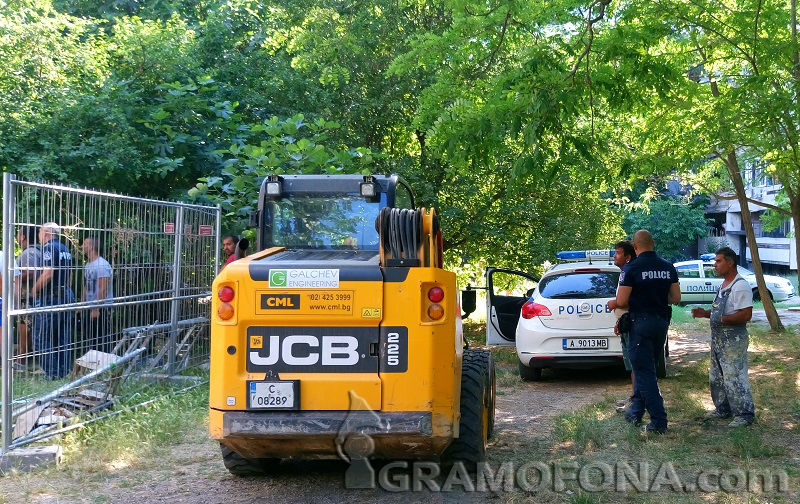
point(244, 467)
point(470, 445)
point(488, 362)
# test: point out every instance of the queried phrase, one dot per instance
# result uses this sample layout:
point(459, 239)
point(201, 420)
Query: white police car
point(563, 320)
point(700, 283)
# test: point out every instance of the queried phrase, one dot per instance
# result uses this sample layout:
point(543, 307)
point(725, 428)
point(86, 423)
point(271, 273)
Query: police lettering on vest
point(650, 278)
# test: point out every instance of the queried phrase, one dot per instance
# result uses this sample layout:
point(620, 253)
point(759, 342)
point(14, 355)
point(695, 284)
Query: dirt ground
point(192, 472)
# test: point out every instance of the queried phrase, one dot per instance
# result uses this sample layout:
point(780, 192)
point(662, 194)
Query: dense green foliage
point(674, 224)
point(525, 122)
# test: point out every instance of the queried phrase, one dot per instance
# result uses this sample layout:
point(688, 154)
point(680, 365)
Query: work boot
point(632, 419)
point(740, 422)
point(652, 429)
point(715, 415)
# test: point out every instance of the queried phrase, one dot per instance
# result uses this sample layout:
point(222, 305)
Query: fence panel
point(104, 295)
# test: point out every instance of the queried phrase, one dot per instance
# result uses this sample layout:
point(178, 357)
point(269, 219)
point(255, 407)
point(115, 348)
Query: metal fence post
point(176, 291)
point(217, 242)
point(7, 289)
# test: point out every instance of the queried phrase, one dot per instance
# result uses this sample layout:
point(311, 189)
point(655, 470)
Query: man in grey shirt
point(98, 284)
point(30, 267)
point(729, 314)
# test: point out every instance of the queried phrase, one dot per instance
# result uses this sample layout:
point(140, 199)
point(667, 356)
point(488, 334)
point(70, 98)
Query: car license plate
point(584, 343)
point(273, 394)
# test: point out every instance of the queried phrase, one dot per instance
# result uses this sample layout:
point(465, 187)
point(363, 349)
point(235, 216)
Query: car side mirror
point(529, 293)
point(468, 301)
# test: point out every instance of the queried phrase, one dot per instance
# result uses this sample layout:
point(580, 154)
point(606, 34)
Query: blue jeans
point(52, 336)
point(648, 334)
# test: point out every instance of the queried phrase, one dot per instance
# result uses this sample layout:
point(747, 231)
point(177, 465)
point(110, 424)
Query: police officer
point(647, 287)
point(52, 330)
point(729, 314)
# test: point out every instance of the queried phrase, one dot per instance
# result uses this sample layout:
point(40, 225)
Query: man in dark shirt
point(52, 330)
point(647, 287)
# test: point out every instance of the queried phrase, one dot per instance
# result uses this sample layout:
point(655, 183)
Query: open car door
point(506, 292)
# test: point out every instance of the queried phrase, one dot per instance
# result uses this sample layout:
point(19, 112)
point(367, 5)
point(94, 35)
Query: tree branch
point(590, 22)
point(496, 49)
point(718, 196)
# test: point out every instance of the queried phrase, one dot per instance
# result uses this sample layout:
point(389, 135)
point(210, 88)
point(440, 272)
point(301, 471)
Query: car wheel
point(529, 373)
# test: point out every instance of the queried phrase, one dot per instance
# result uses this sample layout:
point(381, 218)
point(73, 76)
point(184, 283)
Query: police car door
point(712, 283)
point(692, 283)
point(507, 291)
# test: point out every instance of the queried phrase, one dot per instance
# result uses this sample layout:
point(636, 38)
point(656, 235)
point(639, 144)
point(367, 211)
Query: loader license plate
point(277, 395)
point(584, 343)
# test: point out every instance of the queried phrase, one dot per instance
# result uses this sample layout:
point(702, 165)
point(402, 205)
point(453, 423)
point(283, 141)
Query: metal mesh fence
point(104, 295)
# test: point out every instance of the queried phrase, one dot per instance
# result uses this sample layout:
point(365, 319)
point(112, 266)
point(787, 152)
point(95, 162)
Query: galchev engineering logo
point(277, 278)
point(311, 278)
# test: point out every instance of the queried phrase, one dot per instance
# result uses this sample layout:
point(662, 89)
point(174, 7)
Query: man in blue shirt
point(647, 287)
point(53, 330)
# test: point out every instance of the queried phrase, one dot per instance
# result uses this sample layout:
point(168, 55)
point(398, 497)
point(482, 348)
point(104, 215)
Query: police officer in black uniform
point(53, 330)
point(647, 287)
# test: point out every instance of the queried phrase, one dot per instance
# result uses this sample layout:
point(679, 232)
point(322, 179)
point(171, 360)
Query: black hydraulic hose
point(400, 232)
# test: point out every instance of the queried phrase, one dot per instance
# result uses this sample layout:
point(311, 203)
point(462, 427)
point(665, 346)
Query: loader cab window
point(316, 221)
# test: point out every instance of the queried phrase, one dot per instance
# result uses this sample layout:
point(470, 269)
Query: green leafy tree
point(274, 147)
point(674, 224)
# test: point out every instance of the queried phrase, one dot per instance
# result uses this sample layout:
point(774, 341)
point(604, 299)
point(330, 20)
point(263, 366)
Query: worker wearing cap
point(647, 287)
point(53, 329)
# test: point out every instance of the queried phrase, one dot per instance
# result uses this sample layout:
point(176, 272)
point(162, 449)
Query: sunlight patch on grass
point(588, 428)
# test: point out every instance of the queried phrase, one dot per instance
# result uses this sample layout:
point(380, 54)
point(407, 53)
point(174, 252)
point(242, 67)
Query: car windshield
point(324, 221)
point(581, 285)
point(745, 271)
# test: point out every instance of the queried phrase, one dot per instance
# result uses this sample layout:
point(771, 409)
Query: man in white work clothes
point(729, 314)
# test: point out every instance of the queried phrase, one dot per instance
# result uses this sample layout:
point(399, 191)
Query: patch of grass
point(507, 377)
point(583, 498)
point(29, 385)
point(681, 314)
point(506, 355)
point(130, 434)
point(747, 442)
point(474, 332)
point(588, 428)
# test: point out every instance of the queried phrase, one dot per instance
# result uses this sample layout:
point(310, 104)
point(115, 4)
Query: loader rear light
point(436, 294)
point(225, 311)
point(531, 309)
point(226, 294)
point(435, 311)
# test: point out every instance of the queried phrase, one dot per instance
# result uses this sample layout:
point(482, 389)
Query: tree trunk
point(796, 221)
point(732, 164)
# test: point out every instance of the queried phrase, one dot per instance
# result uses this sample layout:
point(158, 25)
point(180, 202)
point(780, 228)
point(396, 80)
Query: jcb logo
point(280, 301)
point(308, 350)
point(312, 349)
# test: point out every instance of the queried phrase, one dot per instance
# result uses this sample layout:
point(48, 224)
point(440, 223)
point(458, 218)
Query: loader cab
point(326, 212)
